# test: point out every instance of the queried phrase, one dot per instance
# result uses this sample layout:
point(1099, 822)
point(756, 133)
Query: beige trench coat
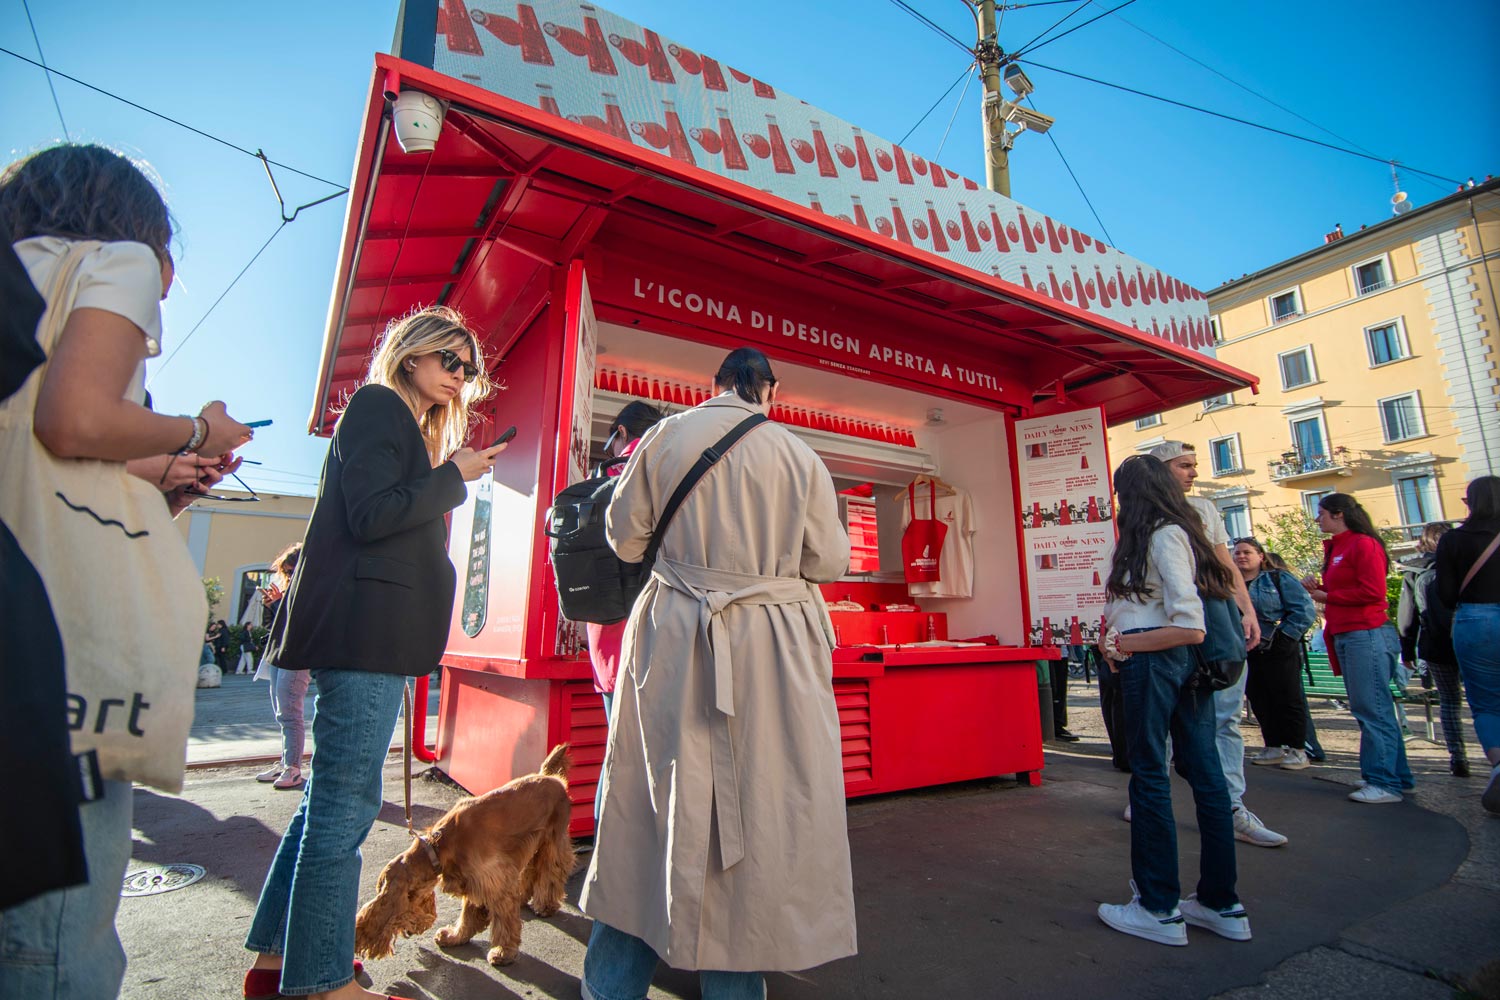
point(722, 840)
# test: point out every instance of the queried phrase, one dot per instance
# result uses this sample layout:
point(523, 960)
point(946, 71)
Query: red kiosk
point(613, 212)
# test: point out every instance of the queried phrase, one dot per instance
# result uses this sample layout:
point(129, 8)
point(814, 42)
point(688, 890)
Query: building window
point(1153, 420)
point(1371, 276)
point(1417, 498)
point(1236, 517)
point(1386, 343)
point(1215, 329)
point(1219, 402)
point(1224, 455)
point(1297, 368)
point(1311, 499)
point(1310, 441)
point(1285, 306)
point(1401, 417)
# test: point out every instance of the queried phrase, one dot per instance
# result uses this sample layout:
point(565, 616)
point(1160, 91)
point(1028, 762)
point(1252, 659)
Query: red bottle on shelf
point(826, 165)
point(734, 156)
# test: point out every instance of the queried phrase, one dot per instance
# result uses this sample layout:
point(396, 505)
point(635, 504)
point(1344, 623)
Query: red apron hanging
point(922, 543)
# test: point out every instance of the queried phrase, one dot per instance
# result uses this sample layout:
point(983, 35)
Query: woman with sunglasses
point(368, 607)
point(1161, 565)
point(1275, 665)
point(1362, 642)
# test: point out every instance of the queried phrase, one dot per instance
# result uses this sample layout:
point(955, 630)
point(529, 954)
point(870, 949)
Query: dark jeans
point(1159, 701)
point(1058, 677)
point(1112, 704)
point(1274, 687)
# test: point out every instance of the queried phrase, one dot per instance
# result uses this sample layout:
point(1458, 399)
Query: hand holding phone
point(505, 438)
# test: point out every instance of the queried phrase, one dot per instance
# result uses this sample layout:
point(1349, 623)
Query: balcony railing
point(1285, 469)
point(1373, 285)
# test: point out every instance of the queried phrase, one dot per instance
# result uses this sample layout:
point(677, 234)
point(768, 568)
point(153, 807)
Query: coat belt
point(715, 590)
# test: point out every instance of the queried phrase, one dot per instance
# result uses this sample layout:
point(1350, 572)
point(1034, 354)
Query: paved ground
point(975, 890)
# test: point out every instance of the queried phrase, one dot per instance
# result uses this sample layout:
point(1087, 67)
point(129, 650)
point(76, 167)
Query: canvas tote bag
point(128, 599)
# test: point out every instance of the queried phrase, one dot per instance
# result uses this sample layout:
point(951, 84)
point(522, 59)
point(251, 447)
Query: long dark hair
point(747, 372)
point(637, 418)
point(1356, 519)
point(1151, 498)
point(1483, 496)
point(83, 192)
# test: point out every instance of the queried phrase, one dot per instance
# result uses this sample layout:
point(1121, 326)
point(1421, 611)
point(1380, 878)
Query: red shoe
point(265, 984)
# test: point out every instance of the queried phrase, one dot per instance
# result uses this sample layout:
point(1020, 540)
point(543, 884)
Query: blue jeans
point(609, 704)
point(1229, 706)
point(288, 701)
point(307, 905)
point(62, 945)
point(1476, 640)
point(1368, 659)
point(1158, 702)
point(619, 966)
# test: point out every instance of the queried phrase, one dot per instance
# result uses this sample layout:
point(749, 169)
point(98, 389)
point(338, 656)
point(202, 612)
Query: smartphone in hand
point(503, 438)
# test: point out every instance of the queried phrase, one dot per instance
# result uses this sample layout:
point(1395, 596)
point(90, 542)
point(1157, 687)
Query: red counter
point(908, 718)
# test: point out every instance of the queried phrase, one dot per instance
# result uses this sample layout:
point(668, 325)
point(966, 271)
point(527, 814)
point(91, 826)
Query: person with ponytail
point(1162, 563)
point(1362, 642)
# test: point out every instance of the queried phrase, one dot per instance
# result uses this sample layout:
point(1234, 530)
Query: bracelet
point(200, 434)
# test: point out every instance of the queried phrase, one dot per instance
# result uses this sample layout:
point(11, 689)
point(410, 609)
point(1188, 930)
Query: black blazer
point(374, 587)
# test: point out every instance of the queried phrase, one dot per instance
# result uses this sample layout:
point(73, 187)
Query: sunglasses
point(451, 362)
point(252, 498)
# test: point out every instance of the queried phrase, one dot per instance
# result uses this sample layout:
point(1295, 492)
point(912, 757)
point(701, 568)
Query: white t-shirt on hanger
point(956, 561)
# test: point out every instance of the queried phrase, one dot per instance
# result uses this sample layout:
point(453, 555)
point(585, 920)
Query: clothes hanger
point(943, 489)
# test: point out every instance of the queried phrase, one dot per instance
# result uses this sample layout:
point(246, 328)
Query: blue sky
point(1204, 199)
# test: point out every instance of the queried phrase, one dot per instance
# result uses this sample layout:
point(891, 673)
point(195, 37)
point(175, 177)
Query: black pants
point(1112, 703)
point(1275, 691)
point(1057, 671)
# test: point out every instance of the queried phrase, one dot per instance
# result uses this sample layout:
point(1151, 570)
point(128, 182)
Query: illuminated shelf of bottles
point(681, 394)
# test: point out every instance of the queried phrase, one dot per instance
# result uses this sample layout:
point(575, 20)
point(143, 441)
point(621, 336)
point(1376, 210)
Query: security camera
point(1017, 80)
point(1027, 118)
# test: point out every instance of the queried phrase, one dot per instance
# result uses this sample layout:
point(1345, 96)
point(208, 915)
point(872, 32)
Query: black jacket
point(374, 587)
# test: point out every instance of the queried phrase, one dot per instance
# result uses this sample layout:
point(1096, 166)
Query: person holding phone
point(93, 234)
point(368, 606)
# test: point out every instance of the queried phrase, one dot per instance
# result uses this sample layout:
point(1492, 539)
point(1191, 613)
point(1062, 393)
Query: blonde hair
point(418, 333)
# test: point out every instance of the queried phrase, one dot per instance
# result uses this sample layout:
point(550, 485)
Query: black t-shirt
point(1456, 553)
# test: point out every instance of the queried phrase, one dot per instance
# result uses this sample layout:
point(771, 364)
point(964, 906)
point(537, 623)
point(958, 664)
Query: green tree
point(214, 591)
point(1295, 537)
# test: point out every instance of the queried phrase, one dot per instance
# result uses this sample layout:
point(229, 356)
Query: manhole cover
point(160, 878)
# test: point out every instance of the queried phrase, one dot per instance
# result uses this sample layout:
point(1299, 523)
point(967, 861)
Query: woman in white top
point(89, 205)
point(1155, 617)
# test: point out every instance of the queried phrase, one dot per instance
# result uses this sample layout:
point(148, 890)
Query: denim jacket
point(1288, 608)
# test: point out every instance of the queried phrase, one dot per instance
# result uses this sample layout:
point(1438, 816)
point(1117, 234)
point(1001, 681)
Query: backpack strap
point(705, 461)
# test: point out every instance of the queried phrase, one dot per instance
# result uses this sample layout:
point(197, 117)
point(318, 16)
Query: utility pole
point(997, 140)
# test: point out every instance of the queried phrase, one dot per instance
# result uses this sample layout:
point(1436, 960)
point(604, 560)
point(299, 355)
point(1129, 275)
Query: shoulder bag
point(129, 602)
point(1221, 654)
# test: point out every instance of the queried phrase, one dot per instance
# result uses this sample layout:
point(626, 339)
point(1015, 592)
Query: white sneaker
point(1269, 756)
point(1490, 797)
point(1295, 760)
point(1133, 918)
point(1126, 817)
point(270, 774)
point(1374, 795)
point(290, 778)
point(1249, 828)
point(1231, 923)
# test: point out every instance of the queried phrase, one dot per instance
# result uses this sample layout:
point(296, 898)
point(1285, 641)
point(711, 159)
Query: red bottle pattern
point(546, 101)
point(862, 157)
point(614, 118)
point(734, 156)
point(677, 142)
point(533, 42)
point(938, 242)
point(455, 25)
point(820, 150)
point(898, 222)
point(971, 239)
point(600, 61)
point(780, 158)
point(656, 59)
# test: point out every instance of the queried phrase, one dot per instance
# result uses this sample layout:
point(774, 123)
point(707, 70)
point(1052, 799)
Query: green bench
point(1322, 682)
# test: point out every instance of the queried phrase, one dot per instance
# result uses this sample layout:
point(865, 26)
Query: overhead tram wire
point(933, 25)
point(1079, 184)
point(26, 5)
point(962, 76)
point(1054, 27)
point(167, 118)
point(1034, 44)
point(1242, 121)
point(968, 79)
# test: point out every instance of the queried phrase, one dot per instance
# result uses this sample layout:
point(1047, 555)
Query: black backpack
point(594, 584)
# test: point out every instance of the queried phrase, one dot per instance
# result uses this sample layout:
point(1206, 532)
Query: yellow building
point(1377, 358)
point(236, 541)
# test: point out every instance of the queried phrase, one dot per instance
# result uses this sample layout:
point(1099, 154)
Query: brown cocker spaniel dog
point(495, 852)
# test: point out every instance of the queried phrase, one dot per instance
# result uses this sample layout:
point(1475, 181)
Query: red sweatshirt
point(1354, 578)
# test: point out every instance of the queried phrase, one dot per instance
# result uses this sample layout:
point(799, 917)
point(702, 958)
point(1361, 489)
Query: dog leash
point(407, 700)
